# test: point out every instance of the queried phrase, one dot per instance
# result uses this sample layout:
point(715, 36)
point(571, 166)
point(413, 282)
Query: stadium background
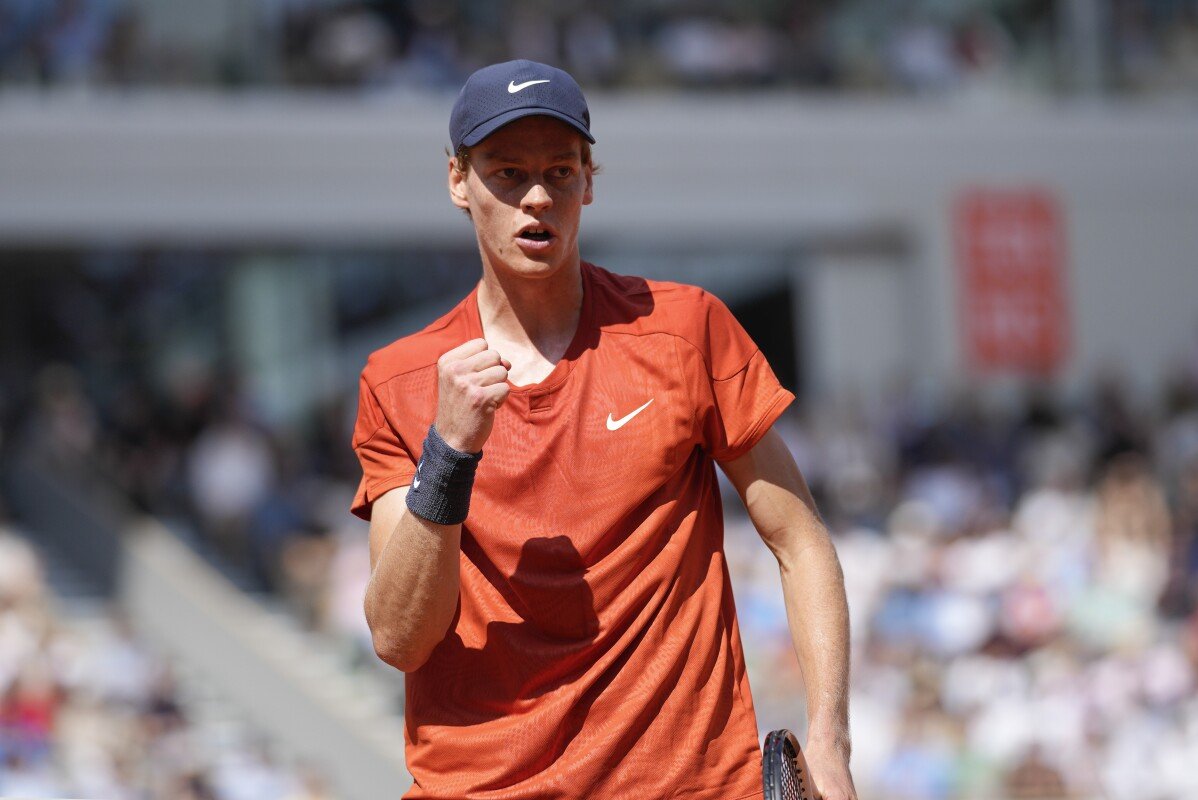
point(964, 233)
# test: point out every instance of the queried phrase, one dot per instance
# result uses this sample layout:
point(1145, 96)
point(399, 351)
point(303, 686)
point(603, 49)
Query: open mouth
point(536, 234)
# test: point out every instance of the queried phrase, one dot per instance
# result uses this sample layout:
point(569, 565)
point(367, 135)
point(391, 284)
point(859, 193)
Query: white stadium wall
point(825, 179)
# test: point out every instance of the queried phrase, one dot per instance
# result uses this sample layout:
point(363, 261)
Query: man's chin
point(533, 267)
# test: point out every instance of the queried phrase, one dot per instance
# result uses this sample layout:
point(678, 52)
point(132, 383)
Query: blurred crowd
point(88, 710)
point(913, 46)
point(266, 505)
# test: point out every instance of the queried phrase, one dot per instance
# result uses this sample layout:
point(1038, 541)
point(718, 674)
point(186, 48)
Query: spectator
point(231, 469)
point(1033, 778)
point(1133, 531)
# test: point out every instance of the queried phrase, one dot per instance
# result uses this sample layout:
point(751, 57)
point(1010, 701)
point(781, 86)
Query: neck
point(542, 312)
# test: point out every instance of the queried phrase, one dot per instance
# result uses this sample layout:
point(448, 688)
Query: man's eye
point(508, 172)
point(563, 172)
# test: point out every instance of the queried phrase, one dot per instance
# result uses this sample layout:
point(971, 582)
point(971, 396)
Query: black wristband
point(440, 492)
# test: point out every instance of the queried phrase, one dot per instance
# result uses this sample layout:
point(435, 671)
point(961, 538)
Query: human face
point(525, 190)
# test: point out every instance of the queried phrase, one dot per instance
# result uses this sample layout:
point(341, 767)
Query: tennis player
point(546, 535)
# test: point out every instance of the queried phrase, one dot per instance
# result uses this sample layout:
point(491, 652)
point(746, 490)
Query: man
point(546, 530)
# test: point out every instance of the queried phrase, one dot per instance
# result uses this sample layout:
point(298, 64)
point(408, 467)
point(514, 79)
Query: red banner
point(1011, 260)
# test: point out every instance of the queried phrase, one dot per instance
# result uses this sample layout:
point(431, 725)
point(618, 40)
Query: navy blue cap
point(502, 93)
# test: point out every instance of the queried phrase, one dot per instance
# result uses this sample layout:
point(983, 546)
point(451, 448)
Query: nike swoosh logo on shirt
point(616, 424)
point(513, 87)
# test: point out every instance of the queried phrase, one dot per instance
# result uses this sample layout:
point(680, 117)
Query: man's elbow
point(404, 656)
point(793, 544)
point(394, 645)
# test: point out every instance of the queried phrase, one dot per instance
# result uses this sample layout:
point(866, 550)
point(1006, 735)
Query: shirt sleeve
point(386, 459)
point(741, 396)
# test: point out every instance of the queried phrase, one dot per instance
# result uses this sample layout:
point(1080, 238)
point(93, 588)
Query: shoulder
point(633, 304)
point(420, 350)
point(627, 304)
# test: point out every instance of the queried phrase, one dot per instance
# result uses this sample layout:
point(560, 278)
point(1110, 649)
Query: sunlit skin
point(528, 174)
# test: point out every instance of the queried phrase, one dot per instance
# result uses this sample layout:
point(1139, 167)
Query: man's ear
point(588, 194)
point(457, 185)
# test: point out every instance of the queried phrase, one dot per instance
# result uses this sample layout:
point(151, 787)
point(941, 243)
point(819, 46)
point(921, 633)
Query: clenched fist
point(471, 385)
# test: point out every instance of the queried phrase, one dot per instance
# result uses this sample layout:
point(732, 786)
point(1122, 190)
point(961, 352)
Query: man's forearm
point(817, 611)
point(413, 591)
point(783, 511)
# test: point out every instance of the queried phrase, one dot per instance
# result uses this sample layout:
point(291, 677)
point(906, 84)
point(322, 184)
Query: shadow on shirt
point(519, 662)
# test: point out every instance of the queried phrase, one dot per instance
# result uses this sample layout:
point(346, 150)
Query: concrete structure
point(851, 198)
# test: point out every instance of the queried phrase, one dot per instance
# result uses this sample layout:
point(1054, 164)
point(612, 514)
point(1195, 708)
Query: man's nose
point(537, 198)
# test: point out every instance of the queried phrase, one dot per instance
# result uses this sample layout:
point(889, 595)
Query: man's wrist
point(451, 441)
point(440, 490)
point(830, 736)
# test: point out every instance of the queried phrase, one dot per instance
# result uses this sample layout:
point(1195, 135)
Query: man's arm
point(782, 510)
point(413, 590)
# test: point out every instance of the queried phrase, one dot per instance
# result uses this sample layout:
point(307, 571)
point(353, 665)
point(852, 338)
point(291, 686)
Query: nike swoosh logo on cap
point(616, 424)
point(513, 87)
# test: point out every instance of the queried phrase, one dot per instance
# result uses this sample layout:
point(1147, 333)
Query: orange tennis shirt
point(595, 651)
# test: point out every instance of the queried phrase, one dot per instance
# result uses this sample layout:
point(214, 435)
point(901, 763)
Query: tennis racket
point(784, 774)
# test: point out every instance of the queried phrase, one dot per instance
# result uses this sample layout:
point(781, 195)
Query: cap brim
point(495, 123)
